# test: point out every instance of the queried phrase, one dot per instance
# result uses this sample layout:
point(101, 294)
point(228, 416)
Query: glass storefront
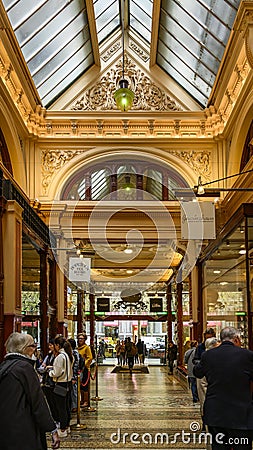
point(228, 281)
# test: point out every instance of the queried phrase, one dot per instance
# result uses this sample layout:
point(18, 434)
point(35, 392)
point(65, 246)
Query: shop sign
point(79, 269)
point(103, 304)
point(198, 220)
point(156, 304)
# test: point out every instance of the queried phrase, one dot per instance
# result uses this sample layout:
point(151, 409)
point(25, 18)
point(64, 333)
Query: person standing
point(140, 350)
point(228, 409)
point(25, 414)
point(172, 355)
point(85, 351)
point(208, 333)
point(130, 353)
point(188, 357)
point(76, 367)
point(62, 374)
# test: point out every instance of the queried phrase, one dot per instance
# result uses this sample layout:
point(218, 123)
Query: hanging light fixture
point(123, 96)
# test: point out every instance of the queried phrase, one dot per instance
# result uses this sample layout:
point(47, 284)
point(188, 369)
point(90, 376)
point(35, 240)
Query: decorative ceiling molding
point(148, 96)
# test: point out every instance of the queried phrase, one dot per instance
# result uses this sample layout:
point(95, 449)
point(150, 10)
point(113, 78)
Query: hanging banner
point(198, 220)
point(79, 269)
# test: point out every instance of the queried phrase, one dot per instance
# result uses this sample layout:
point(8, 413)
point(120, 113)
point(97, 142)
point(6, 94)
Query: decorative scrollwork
point(148, 96)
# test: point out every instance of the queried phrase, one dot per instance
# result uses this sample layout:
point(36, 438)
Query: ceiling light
point(242, 252)
point(216, 271)
point(123, 96)
point(129, 271)
point(128, 250)
point(223, 283)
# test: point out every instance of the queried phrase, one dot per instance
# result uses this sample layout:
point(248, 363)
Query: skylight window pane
point(58, 60)
point(53, 29)
point(72, 75)
point(195, 33)
point(19, 11)
point(66, 69)
point(64, 39)
point(141, 18)
point(140, 29)
point(179, 78)
point(186, 54)
point(107, 17)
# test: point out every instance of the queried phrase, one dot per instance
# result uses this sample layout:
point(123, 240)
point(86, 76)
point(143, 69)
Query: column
point(92, 322)
point(52, 300)
point(2, 207)
point(80, 300)
point(169, 312)
point(180, 322)
point(43, 301)
point(12, 264)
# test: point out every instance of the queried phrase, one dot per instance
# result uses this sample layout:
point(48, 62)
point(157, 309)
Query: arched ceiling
point(61, 40)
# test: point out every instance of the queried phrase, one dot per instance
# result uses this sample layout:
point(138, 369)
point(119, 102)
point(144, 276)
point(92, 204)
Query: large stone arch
point(97, 154)
point(13, 144)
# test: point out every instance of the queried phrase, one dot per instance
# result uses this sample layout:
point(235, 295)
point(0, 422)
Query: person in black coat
point(228, 410)
point(172, 355)
point(25, 415)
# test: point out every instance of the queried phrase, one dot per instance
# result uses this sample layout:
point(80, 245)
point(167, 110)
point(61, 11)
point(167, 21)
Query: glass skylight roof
point(54, 36)
point(192, 40)
point(55, 40)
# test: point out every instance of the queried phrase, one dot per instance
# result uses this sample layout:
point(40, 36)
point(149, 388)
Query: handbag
point(60, 390)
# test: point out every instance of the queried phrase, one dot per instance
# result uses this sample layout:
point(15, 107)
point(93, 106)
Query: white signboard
point(198, 220)
point(79, 269)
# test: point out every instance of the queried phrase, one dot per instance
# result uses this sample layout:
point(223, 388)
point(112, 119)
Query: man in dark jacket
point(24, 412)
point(172, 355)
point(228, 410)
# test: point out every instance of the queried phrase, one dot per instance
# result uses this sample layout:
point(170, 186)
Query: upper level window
point(118, 180)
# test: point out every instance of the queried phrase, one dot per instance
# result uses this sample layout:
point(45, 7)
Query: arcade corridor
point(144, 403)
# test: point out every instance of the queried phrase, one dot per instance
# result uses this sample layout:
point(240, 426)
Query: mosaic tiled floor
point(139, 411)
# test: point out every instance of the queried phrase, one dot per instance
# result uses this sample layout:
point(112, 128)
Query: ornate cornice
point(148, 96)
point(13, 85)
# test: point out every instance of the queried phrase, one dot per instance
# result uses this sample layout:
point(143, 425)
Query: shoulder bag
point(59, 389)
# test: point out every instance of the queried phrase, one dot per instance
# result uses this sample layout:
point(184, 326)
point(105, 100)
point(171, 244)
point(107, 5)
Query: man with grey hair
point(24, 412)
point(228, 410)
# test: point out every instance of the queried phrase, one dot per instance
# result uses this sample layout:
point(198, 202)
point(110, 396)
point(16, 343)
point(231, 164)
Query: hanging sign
point(103, 304)
point(79, 269)
point(156, 304)
point(198, 220)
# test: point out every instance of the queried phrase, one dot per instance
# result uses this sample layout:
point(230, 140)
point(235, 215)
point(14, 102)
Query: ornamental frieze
point(199, 161)
point(148, 96)
point(52, 161)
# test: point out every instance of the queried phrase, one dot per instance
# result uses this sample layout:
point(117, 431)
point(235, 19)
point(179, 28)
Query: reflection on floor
point(135, 410)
